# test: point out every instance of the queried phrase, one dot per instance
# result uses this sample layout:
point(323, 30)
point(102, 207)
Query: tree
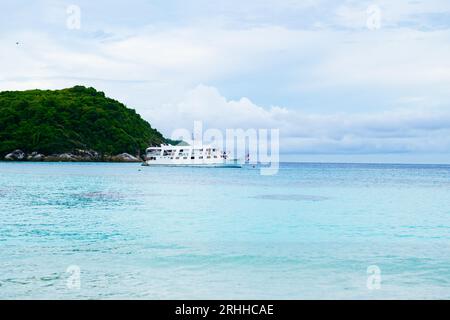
point(63, 120)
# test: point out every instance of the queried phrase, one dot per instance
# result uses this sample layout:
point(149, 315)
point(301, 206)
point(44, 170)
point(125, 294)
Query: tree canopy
point(58, 121)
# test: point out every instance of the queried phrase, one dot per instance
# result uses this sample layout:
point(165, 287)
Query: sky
point(351, 81)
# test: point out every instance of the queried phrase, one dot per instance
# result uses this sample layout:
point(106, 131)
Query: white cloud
point(190, 56)
point(397, 58)
point(400, 130)
point(153, 68)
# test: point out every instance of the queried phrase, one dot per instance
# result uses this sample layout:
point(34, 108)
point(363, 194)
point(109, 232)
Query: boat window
point(192, 158)
point(200, 157)
point(154, 152)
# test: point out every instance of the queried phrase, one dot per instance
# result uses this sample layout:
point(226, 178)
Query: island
point(74, 124)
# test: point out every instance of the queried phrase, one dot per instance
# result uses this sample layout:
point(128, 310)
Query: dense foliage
point(77, 118)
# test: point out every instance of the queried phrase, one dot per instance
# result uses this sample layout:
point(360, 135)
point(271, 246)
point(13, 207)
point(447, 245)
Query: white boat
point(189, 156)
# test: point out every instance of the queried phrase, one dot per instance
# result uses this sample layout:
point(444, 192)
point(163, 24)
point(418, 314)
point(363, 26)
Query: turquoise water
point(189, 233)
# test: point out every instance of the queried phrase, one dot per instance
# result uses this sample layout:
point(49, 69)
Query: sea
point(311, 231)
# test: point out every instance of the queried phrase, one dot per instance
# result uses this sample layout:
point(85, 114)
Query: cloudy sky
point(342, 80)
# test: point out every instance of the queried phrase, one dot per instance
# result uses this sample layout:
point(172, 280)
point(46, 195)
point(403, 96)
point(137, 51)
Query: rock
point(78, 155)
point(86, 155)
point(52, 158)
point(34, 156)
point(125, 157)
point(64, 157)
point(17, 155)
point(67, 157)
point(75, 156)
point(31, 155)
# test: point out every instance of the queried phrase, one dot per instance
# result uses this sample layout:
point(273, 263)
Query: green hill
point(60, 121)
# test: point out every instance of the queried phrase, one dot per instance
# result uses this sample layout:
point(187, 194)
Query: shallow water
point(311, 231)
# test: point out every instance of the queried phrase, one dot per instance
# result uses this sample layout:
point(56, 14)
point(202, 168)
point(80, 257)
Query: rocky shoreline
point(75, 156)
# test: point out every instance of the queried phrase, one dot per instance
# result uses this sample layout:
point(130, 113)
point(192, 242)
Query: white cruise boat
point(190, 156)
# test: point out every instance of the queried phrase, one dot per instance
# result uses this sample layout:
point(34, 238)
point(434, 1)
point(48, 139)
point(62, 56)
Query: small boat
point(189, 156)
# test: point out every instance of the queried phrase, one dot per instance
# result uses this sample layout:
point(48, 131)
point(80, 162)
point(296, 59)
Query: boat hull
point(192, 165)
point(205, 164)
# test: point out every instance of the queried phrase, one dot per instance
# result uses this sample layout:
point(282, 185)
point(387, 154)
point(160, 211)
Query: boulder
point(52, 158)
point(125, 157)
point(17, 155)
point(64, 157)
point(86, 155)
point(78, 155)
point(34, 156)
point(67, 157)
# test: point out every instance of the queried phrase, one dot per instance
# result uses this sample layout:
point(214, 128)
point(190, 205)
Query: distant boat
point(189, 156)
